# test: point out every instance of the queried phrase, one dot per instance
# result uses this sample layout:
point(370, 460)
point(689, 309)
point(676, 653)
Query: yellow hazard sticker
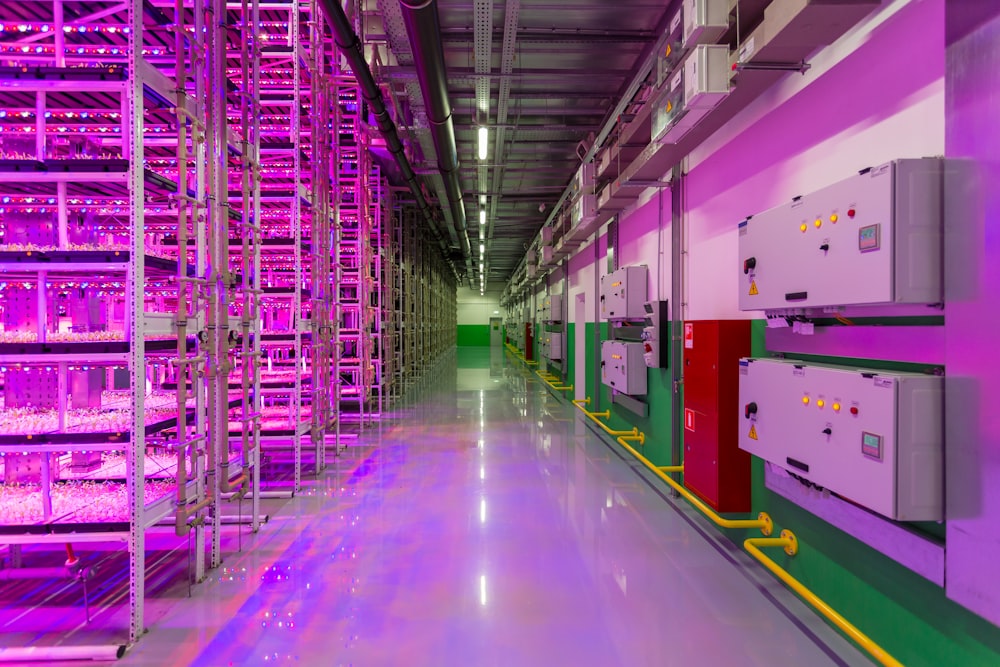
point(753, 288)
point(753, 432)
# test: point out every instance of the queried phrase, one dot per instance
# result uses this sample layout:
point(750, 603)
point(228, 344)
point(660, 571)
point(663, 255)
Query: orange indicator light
point(818, 223)
point(805, 400)
point(834, 218)
point(820, 403)
point(836, 407)
point(804, 227)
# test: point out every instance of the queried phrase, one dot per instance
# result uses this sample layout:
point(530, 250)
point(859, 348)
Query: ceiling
point(543, 76)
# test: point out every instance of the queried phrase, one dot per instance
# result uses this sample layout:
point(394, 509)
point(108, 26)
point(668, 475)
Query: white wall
point(476, 309)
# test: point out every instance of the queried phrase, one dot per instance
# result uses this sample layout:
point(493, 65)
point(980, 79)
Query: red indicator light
point(851, 213)
point(854, 411)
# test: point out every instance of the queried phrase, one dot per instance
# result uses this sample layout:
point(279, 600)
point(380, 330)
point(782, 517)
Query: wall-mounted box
point(622, 367)
point(553, 308)
point(673, 49)
point(623, 293)
point(545, 234)
point(584, 210)
point(875, 438)
point(555, 346)
point(548, 256)
point(584, 181)
point(715, 468)
point(691, 93)
point(705, 21)
point(656, 334)
point(871, 239)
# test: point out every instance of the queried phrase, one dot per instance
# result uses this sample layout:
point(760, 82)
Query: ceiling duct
point(350, 46)
point(424, 31)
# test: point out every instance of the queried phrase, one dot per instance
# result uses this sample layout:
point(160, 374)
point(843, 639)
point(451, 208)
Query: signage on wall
point(689, 419)
point(689, 335)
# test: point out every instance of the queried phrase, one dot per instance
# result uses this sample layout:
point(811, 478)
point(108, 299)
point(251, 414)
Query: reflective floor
point(485, 524)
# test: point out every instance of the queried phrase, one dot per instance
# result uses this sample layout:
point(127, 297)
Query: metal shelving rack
point(116, 347)
point(354, 174)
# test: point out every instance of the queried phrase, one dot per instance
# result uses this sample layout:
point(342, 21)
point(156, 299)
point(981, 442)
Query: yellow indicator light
point(805, 400)
point(820, 403)
point(836, 407)
point(818, 223)
point(804, 227)
point(834, 218)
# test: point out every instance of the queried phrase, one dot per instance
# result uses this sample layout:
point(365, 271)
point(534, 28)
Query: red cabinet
point(715, 468)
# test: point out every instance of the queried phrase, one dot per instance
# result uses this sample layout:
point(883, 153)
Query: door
point(496, 332)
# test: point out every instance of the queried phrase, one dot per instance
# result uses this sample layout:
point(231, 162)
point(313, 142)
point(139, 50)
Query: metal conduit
point(350, 46)
point(424, 31)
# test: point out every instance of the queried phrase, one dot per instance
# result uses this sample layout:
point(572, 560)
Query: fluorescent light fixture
point(482, 217)
point(483, 143)
point(482, 248)
point(482, 200)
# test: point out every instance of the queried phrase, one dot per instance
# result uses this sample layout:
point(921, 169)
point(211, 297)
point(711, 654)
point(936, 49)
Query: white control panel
point(623, 367)
point(623, 294)
point(554, 346)
point(691, 93)
point(704, 21)
point(584, 210)
point(551, 310)
point(583, 180)
point(875, 438)
point(872, 239)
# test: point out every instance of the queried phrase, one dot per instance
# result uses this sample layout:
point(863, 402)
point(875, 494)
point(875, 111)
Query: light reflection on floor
point(485, 525)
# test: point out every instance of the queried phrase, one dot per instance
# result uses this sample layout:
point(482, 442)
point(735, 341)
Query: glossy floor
point(485, 524)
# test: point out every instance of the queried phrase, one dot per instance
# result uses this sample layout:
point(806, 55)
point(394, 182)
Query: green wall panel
point(909, 616)
point(474, 335)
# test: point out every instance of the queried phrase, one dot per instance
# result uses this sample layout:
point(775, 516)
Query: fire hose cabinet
point(715, 468)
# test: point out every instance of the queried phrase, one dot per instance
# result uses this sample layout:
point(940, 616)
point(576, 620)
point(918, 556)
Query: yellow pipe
point(788, 542)
point(762, 522)
point(550, 379)
point(753, 545)
point(606, 414)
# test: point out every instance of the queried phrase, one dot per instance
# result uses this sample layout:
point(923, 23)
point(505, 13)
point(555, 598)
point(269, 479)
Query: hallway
point(486, 524)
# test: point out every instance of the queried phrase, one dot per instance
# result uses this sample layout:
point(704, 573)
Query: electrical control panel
point(874, 437)
point(551, 345)
point(871, 239)
point(551, 310)
point(704, 21)
point(583, 181)
point(655, 334)
point(584, 210)
point(623, 294)
point(695, 22)
point(622, 367)
point(691, 92)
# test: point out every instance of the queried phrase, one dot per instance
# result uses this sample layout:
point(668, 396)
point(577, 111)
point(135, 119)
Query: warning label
point(753, 432)
point(753, 288)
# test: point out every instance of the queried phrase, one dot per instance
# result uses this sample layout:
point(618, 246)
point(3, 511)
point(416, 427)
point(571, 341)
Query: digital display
point(869, 238)
point(871, 445)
